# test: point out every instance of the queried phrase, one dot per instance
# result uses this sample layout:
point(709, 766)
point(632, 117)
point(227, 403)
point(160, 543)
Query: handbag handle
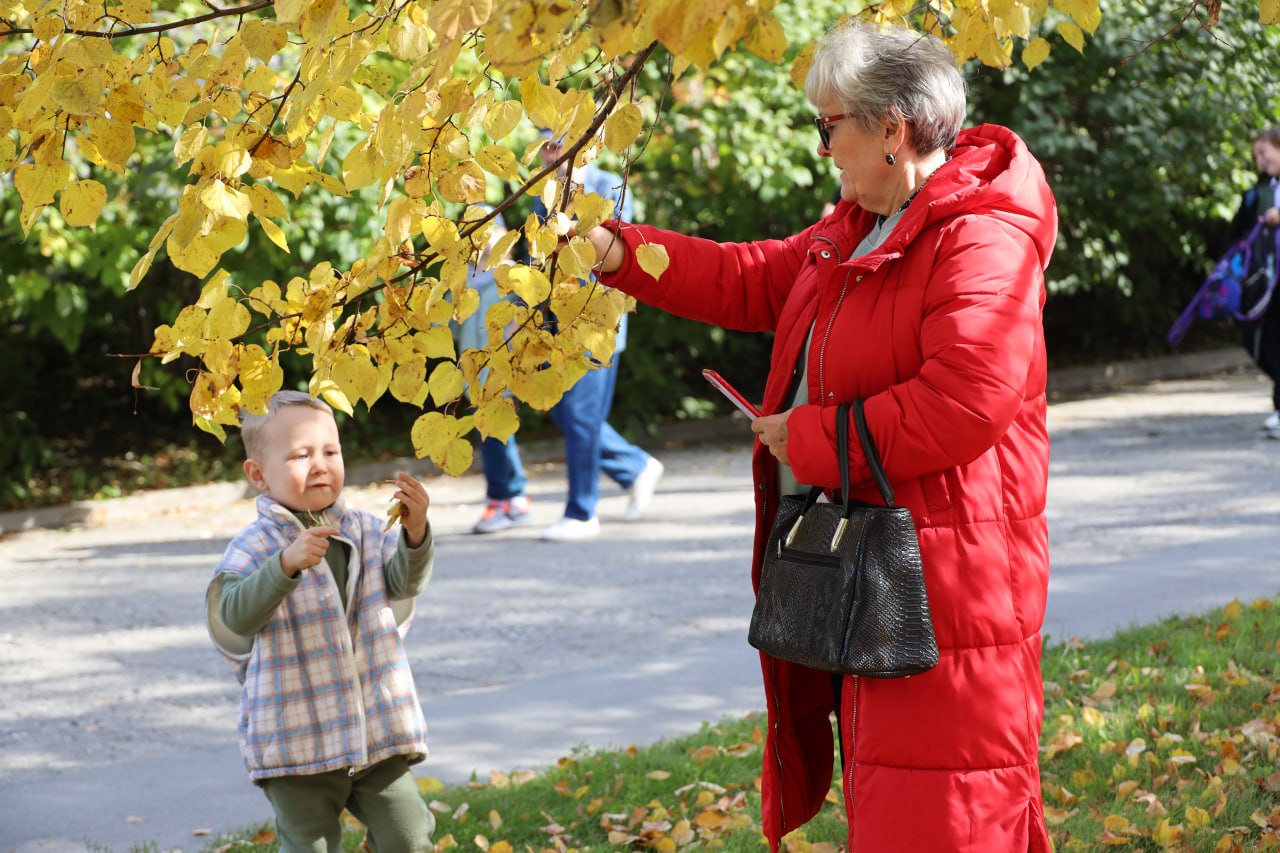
point(868, 450)
point(842, 457)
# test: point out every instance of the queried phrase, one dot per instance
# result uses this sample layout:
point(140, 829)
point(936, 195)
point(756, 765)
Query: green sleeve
point(409, 569)
point(249, 600)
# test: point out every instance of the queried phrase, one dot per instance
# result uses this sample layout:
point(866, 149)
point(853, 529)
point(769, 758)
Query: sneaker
point(1272, 422)
point(571, 530)
point(499, 515)
point(494, 518)
point(520, 511)
point(642, 489)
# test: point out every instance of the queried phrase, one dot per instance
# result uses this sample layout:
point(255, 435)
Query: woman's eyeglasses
point(824, 126)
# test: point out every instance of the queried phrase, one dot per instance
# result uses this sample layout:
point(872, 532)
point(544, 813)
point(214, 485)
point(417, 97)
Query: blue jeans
point(591, 446)
point(504, 477)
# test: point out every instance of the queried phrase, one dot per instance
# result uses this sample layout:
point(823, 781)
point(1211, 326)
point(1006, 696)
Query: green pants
point(383, 797)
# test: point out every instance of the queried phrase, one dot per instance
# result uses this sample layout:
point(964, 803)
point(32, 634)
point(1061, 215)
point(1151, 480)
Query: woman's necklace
point(915, 192)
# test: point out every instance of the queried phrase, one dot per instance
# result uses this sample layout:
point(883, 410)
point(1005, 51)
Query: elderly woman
point(921, 293)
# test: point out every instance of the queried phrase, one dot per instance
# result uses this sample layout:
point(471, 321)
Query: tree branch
point(155, 28)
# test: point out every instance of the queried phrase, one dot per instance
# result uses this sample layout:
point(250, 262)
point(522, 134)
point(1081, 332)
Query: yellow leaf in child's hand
point(394, 514)
point(653, 259)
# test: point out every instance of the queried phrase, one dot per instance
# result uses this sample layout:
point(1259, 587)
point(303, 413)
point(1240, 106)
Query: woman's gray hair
point(891, 73)
point(252, 426)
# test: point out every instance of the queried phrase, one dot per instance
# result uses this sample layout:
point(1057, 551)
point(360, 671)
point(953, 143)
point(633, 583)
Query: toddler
point(308, 603)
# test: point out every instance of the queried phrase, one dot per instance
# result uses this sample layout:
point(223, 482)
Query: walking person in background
point(922, 293)
point(506, 504)
point(1261, 202)
point(591, 444)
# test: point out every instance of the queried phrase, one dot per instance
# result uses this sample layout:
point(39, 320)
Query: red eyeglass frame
point(824, 126)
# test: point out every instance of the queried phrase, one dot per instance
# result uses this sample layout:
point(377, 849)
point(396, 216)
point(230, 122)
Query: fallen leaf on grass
point(705, 753)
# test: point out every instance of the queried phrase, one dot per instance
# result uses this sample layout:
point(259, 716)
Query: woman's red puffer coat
point(940, 330)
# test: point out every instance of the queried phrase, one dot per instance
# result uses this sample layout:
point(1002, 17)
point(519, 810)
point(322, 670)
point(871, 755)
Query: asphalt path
point(117, 718)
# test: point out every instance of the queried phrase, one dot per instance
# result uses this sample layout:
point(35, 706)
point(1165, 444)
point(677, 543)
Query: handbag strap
point(868, 450)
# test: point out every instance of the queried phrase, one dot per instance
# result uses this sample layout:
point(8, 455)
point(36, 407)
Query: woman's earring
point(890, 159)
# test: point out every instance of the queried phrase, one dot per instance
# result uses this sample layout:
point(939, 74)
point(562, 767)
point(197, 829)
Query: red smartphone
point(732, 393)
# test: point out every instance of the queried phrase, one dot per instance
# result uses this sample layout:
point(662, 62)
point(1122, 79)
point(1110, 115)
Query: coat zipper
point(853, 745)
point(777, 754)
point(773, 676)
point(822, 351)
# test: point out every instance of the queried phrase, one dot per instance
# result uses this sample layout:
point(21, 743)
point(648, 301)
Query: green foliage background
point(1144, 138)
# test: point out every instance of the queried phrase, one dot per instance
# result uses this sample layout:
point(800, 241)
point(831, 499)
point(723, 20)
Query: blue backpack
point(1237, 289)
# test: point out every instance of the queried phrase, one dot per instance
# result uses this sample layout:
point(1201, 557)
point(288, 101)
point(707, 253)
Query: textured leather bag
point(842, 588)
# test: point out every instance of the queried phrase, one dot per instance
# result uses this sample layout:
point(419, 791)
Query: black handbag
point(842, 587)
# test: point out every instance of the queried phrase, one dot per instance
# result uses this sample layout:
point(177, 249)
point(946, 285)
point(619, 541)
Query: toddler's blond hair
point(252, 427)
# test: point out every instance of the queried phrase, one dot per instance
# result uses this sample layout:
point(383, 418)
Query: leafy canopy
point(418, 110)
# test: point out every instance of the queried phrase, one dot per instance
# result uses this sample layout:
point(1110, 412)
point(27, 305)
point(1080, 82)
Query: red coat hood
point(990, 172)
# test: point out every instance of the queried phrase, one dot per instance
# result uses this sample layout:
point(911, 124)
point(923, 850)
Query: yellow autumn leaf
point(445, 383)
point(343, 103)
point(767, 39)
point(530, 285)
point(359, 168)
point(226, 201)
point(497, 160)
point(80, 94)
point(653, 259)
point(622, 128)
point(226, 319)
point(8, 152)
point(1037, 51)
point(37, 183)
point(326, 389)
point(263, 39)
point(502, 118)
point(260, 377)
point(1072, 35)
point(82, 202)
point(409, 383)
point(1269, 12)
point(464, 183)
point(452, 18)
point(589, 210)
point(274, 233)
point(497, 419)
point(577, 258)
point(289, 11)
point(1233, 610)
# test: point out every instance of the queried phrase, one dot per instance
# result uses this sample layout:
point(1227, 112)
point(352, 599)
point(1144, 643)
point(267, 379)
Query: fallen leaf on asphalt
point(133, 818)
point(202, 831)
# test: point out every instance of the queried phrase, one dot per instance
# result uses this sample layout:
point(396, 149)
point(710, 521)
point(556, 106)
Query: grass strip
point(1163, 737)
